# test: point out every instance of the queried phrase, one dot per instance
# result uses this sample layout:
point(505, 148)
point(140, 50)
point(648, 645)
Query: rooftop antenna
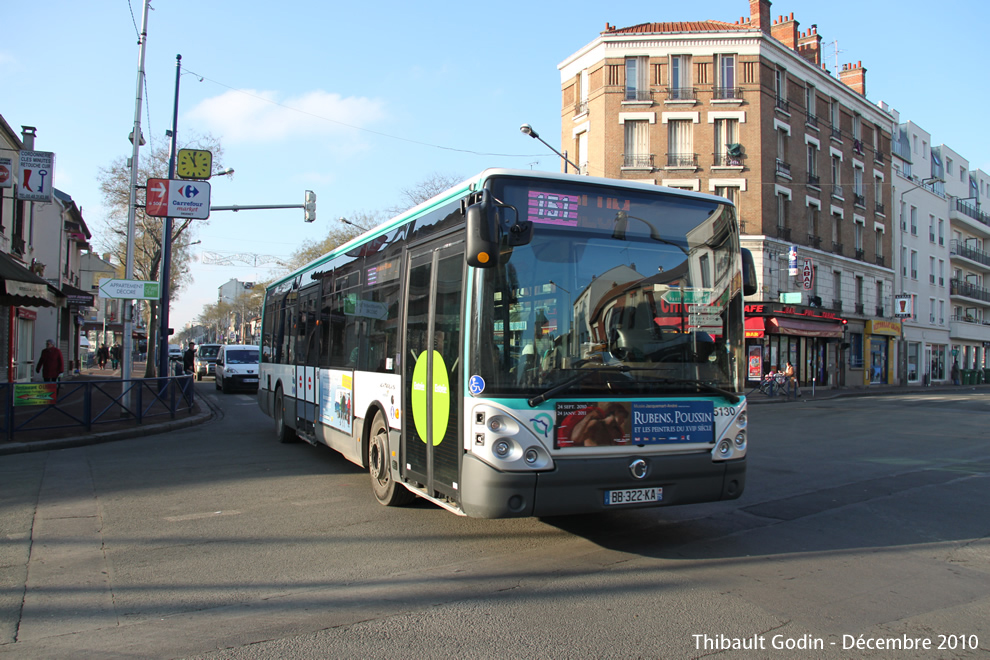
point(835, 55)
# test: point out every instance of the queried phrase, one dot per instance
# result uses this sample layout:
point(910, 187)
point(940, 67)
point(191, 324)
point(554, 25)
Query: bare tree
point(148, 230)
point(425, 189)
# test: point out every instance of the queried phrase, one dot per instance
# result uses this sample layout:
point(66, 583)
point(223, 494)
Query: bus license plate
point(633, 496)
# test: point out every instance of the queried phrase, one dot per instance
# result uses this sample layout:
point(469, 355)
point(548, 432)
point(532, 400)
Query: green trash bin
point(979, 376)
point(967, 376)
point(986, 375)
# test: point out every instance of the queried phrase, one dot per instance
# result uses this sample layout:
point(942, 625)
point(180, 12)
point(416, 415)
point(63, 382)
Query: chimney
point(27, 137)
point(759, 15)
point(810, 45)
point(854, 76)
point(785, 30)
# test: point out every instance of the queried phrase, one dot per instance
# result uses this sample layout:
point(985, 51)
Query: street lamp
point(353, 224)
point(528, 130)
point(226, 172)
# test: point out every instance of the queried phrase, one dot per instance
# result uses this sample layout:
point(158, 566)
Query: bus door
point(432, 372)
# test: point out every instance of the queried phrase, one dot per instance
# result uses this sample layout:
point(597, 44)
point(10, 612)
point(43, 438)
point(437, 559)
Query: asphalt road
point(863, 525)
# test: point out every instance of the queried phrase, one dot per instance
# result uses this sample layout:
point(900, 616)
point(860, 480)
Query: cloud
point(241, 116)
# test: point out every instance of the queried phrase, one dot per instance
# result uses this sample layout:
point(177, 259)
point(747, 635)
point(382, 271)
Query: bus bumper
point(578, 485)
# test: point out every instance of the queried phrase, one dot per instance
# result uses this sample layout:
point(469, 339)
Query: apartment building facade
point(747, 110)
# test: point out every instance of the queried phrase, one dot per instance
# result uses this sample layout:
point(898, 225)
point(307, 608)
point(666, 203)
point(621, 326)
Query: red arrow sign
point(157, 198)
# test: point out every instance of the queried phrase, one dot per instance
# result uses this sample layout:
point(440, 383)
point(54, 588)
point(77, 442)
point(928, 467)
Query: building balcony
point(811, 120)
point(881, 261)
point(837, 191)
point(965, 289)
point(783, 169)
point(784, 233)
point(814, 180)
point(682, 160)
point(859, 200)
point(859, 253)
point(969, 328)
point(836, 133)
point(858, 147)
point(815, 241)
point(836, 305)
point(725, 160)
point(726, 93)
point(960, 249)
point(878, 208)
point(961, 208)
point(782, 104)
point(858, 308)
point(837, 248)
point(638, 95)
point(878, 156)
point(880, 311)
point(681, 94)
point(581, 108)
point(638, 161)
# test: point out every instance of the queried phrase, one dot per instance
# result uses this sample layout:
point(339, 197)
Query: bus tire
point(284, 434)
point(387, 492)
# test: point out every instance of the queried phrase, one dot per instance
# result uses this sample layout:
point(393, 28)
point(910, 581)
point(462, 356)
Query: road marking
point(199, 516)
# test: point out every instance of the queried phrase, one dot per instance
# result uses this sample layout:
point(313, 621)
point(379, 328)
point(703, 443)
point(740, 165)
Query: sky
point(358, 101)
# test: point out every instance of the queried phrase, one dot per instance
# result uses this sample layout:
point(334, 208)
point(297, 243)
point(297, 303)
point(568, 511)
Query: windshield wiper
point(701, 385)
point(574, 380)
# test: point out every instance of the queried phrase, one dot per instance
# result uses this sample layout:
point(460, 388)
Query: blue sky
point(359, 100)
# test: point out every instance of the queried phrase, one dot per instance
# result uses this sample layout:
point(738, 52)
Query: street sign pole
point(127, 350)
point(165, 278)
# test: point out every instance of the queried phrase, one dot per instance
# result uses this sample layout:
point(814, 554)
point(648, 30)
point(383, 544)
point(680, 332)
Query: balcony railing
point(858, 147)
point(859, 200)
point(837, 248)
point(17, 245)
point(814, 180)
point(973, 212)
point(638, 94)
point(959, 248)
point(879, 208)
point(837, 191)
point(859, 308)
point(639, 161)
point(726, 93)
point(681, 94)
point(581, 107)
point(814, 241)
point(880, 260)
point(784, 233)
point(877, 156)
point(859, 253)
point(836, 304)
point(782, 104)
point(880, 311)
point(682, 160)
point(836, 133)
point(963, 288)
point(812, 120)
point(783, 169)
point(725, 160)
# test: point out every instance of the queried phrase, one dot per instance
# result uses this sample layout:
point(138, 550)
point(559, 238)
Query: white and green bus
point(524, 344)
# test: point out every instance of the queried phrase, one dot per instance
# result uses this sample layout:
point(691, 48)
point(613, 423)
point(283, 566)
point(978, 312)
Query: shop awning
point(78, 297)
point(19, 287)
point(754, 327)
point(802, 328)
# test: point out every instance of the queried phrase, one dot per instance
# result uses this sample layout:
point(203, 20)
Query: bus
point(524, 344)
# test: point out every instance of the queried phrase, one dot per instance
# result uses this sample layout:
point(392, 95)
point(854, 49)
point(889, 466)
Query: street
point(863, 524)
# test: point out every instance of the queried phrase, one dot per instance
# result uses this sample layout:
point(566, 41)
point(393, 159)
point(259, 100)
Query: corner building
point(749, 111)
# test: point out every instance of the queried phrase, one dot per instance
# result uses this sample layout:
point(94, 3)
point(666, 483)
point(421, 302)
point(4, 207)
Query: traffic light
point(310, 206)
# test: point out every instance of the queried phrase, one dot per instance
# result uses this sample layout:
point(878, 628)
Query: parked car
point(237, 368)
point(206, 359)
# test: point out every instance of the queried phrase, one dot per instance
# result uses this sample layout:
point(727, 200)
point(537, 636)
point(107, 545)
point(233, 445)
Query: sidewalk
point(108, 429)
point(821, 394)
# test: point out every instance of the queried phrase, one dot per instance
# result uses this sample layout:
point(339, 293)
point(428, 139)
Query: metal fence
point(34, 410)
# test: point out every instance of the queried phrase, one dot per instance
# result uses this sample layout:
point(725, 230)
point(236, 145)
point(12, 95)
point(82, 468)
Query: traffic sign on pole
point(130, 289)
point(176, 198)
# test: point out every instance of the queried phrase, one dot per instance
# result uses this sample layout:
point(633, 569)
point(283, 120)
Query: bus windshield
point(619, 293)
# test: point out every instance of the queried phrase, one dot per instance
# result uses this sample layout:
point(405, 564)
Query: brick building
point(749, 110)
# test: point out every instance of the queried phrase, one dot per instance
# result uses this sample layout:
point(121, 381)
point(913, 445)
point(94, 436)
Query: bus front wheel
point(282, 431)
point(386, 490)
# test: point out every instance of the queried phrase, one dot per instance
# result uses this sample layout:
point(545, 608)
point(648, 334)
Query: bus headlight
point(724, 448)
point(742, 419)
point(502, 448)
point(740, 440)
point(532, 455)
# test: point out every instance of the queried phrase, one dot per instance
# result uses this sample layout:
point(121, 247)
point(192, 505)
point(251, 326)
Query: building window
point(814, 239)
point(809, 104)
point(813, 164)
point(858, 238)
point(680, 77)
point(725, 86)
point(914, 220)
point(727, 150)
point(780, 88)
point(914, 264)
point(731, 193)
point(837, 178)
point(833, 111)
point(637, 85)
point(637, 143)
point(680, 143)
point(782, 201)
point(859, 195)
point(879, 245)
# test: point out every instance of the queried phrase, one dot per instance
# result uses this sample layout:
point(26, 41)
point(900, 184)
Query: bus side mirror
point(750, 286)
point(482, 233)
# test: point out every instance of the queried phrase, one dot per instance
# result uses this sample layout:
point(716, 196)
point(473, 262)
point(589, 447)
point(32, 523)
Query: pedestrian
point(115, 356)
point(792, 381)
point(189, 358)
point(50, 363)
point(102, 356)
point(955, 372)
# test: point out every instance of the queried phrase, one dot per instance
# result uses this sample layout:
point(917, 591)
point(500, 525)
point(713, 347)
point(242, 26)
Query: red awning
point(754, 327)
point(803, 328)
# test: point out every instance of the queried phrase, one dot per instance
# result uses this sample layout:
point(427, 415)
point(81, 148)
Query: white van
point(237, 368)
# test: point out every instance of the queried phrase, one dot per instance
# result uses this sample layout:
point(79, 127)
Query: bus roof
point(475, 183)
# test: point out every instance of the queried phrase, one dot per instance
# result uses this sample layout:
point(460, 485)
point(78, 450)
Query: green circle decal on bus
point(441, 397)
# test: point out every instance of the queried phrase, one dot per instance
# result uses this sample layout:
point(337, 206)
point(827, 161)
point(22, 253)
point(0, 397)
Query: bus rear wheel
point(282, 431)
point(386, 490)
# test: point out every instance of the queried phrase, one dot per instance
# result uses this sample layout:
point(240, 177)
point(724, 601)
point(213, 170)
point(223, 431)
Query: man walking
point(189, 358)
point(50, 363)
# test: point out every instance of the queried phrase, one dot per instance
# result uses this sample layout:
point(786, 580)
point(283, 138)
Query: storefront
point(879, 340)
point(807, 337)
point(21, 289)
